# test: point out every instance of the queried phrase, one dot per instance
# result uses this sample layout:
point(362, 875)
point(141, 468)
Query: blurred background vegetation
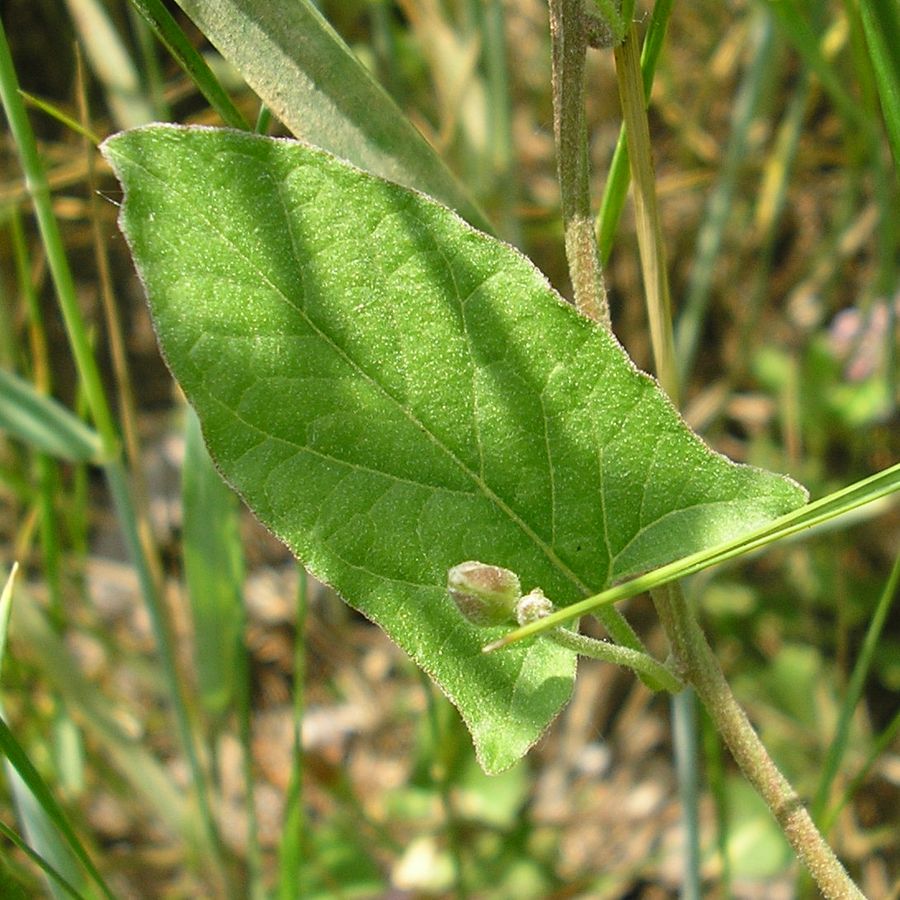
point(779, 203)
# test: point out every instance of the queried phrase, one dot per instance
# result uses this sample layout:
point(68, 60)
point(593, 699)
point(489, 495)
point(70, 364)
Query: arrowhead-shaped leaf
point(393, 393)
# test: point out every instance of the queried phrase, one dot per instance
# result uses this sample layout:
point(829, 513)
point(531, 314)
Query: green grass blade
point(616, 188)
point(164, 26)
point(44, 424)
point(90, 381)
point(881, 24)
point(214, 572)
point(19, 760)
point(6, 608)
point(302, 70)
point(134, 762)
point(45, 838)
point(709, 239)
point(56, 113)
point(880, 745)
point(804, 38)
point(840, 503)
point(55, 876)
point(838, 745)
point(294, 833)
point(110, 60)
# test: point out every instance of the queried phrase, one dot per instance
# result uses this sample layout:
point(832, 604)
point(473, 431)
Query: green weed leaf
point(394, 393)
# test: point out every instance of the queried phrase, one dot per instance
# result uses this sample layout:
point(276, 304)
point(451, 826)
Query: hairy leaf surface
point(393, 393)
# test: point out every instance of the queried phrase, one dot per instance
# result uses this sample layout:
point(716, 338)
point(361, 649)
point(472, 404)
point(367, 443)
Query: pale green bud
point(485, 595)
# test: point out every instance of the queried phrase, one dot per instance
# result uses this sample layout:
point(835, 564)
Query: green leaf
point(301, 69)
point(394, 393)
point(43, 423)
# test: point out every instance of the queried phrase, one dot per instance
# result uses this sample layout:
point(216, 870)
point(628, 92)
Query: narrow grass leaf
point(110, 60)
point(45, 839)
point(44, 424)
point(19, 760)
point(718, 208)
point(838, 746)
point(52, 874)
point(5, 608)
point(302, 70)
point(805, 38)
point(214, 572)
point(164, 26)
point(393, 393)
point(619, 177)
point(128, 757)
point(881, 24)
point(56, 113)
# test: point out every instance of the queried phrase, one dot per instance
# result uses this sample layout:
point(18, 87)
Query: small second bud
point(532, 607)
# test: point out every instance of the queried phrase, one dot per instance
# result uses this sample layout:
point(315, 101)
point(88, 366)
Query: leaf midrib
point(489, 494)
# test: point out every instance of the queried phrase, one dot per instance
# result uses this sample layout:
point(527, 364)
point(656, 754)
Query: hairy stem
point(697, 664)
point(569, 36)
point(639, 662)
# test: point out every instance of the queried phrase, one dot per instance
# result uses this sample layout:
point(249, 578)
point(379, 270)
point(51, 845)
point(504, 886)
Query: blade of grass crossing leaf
point(838, 746)
point(616, 188)
point(302, 70)
point(44, 798)
point(164, 26)
point(881, 23)
point(840, 503)
point(52, 874)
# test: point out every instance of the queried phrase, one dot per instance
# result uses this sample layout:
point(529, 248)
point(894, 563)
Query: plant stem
point(569, 43)
point(697, 664)
point(570, 31)
point(635, 660)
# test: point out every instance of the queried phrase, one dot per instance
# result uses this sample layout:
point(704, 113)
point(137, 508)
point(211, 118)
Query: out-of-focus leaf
point(43, 423)
point(302, 70)
point(214, 572)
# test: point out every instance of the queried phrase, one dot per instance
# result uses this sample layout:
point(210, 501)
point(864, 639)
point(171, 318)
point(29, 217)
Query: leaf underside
point(392, 393)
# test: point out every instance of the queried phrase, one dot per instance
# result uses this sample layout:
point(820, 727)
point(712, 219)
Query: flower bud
point(532, 607)
point(485, 595)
